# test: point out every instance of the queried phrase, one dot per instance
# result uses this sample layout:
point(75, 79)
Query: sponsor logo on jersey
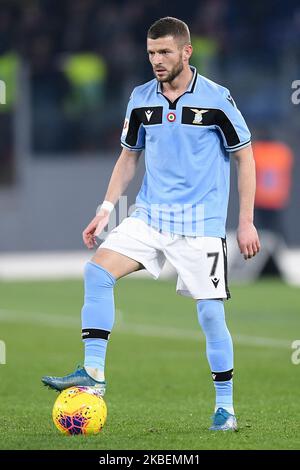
point(230, 99)
point(148, 114)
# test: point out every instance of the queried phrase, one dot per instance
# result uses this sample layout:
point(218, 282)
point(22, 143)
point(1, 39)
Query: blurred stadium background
point(68, 69)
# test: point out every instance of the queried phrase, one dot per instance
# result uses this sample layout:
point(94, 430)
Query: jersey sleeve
point(133, 133)
point(232, 125)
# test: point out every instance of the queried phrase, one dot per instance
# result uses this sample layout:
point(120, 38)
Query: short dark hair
point(170, 26)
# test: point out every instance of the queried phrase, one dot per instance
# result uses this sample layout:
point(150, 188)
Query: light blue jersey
point(187, 144)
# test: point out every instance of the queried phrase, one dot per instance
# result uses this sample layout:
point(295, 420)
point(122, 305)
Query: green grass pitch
point(160, 394)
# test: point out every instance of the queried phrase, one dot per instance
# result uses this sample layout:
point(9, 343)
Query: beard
point(177, 69)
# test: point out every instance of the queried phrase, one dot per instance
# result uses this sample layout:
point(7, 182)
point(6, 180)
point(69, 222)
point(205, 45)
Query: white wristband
point(107, 205)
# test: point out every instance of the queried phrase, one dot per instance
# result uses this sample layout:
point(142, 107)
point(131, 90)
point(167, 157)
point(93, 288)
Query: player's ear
point(187, 51)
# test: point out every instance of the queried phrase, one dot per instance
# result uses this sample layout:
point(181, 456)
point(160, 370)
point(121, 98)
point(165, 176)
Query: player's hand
point(248, 240)
point(95, 228)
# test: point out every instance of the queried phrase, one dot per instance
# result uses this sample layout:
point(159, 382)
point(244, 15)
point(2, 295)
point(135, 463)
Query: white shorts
point(200, 262)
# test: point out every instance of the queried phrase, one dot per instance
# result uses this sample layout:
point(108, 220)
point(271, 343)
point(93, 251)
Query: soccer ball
point(79, 410)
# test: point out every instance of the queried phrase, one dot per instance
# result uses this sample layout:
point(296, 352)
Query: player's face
point(166, 57)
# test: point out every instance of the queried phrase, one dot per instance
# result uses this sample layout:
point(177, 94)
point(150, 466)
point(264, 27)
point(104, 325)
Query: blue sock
point(97, 315)
point(219, 350)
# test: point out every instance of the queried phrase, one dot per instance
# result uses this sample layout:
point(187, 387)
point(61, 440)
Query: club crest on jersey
point(198, 115)
point(171, 117)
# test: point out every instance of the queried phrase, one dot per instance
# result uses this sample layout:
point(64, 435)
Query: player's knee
point(96, 277)
point(209, 312)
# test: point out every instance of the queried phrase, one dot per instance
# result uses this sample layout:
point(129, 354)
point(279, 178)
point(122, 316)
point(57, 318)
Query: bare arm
point(247, 236)
point(123, 172)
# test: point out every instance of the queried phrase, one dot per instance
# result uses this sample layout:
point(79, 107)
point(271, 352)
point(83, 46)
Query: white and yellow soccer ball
point(79, 410)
